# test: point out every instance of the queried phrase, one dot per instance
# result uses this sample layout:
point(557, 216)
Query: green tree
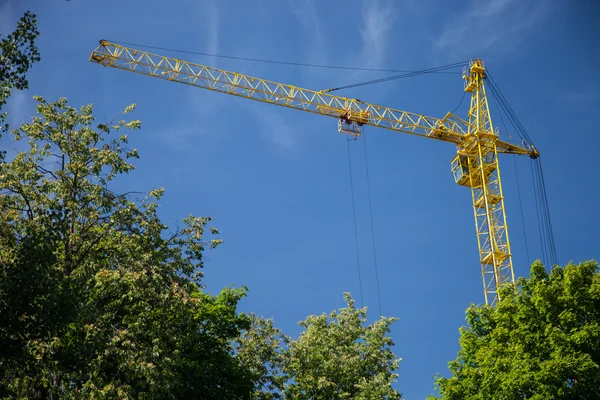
point(542, 341)
point(337, 356)
point(262, 350)
point(98, 299)
point(18, 53)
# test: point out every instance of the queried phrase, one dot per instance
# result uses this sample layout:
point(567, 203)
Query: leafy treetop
point(18, 52)
point(542, 341)
point(98, 298)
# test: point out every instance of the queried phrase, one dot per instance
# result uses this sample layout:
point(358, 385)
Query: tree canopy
point(336, 356)
point(97, 296)
point(542, 341)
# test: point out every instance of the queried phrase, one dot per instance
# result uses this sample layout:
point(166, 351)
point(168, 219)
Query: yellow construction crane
point(478, 144)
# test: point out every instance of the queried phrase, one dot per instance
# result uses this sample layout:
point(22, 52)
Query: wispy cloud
point(315, 48)
point(376, 28)
point(305, 13)
point(276, 129)
point(273, 126)
point(210, 14)
point(374, 34)
point(499, 23)
point(379, 17)
point(374, 38)
point(18, 108)
point(373, 41)
point(579, 97)
point(202, 105)
point(180, 137)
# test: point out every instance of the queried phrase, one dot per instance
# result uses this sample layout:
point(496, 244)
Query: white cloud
point(274, 127)
point(499, 23)
point(18, 108)
point(211, 21)
point(278, 130)
point(203, 105)
point(580, 97)
point(315, 47)
point(374, 30)
point(209, 107)
point(180, 138)
point(305, 13)
point(377, 23)
point(379, 17)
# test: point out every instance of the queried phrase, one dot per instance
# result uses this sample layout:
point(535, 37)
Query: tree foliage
point(262, 350)
point(98, 299)
point(337, 356)
point(542, 341)
point(18, 52)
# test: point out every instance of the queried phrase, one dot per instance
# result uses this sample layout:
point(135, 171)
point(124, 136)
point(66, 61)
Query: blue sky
point(276, 181)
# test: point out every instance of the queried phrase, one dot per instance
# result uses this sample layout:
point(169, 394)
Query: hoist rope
point(508, 110)
point(355, 225)
point(545, 210)
point(514, 158)
point(372, 225)
point(298, 64)
point(546, 232)
point(538, 214)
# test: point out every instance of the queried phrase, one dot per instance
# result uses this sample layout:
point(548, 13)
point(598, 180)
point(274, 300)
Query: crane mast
point(476, 166)
point(478, 144)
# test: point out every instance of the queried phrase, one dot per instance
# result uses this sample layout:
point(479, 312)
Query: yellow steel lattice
point(486, 188)
point(478, 144)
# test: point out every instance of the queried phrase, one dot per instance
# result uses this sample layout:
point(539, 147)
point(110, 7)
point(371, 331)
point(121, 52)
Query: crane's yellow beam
point(450, 128)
